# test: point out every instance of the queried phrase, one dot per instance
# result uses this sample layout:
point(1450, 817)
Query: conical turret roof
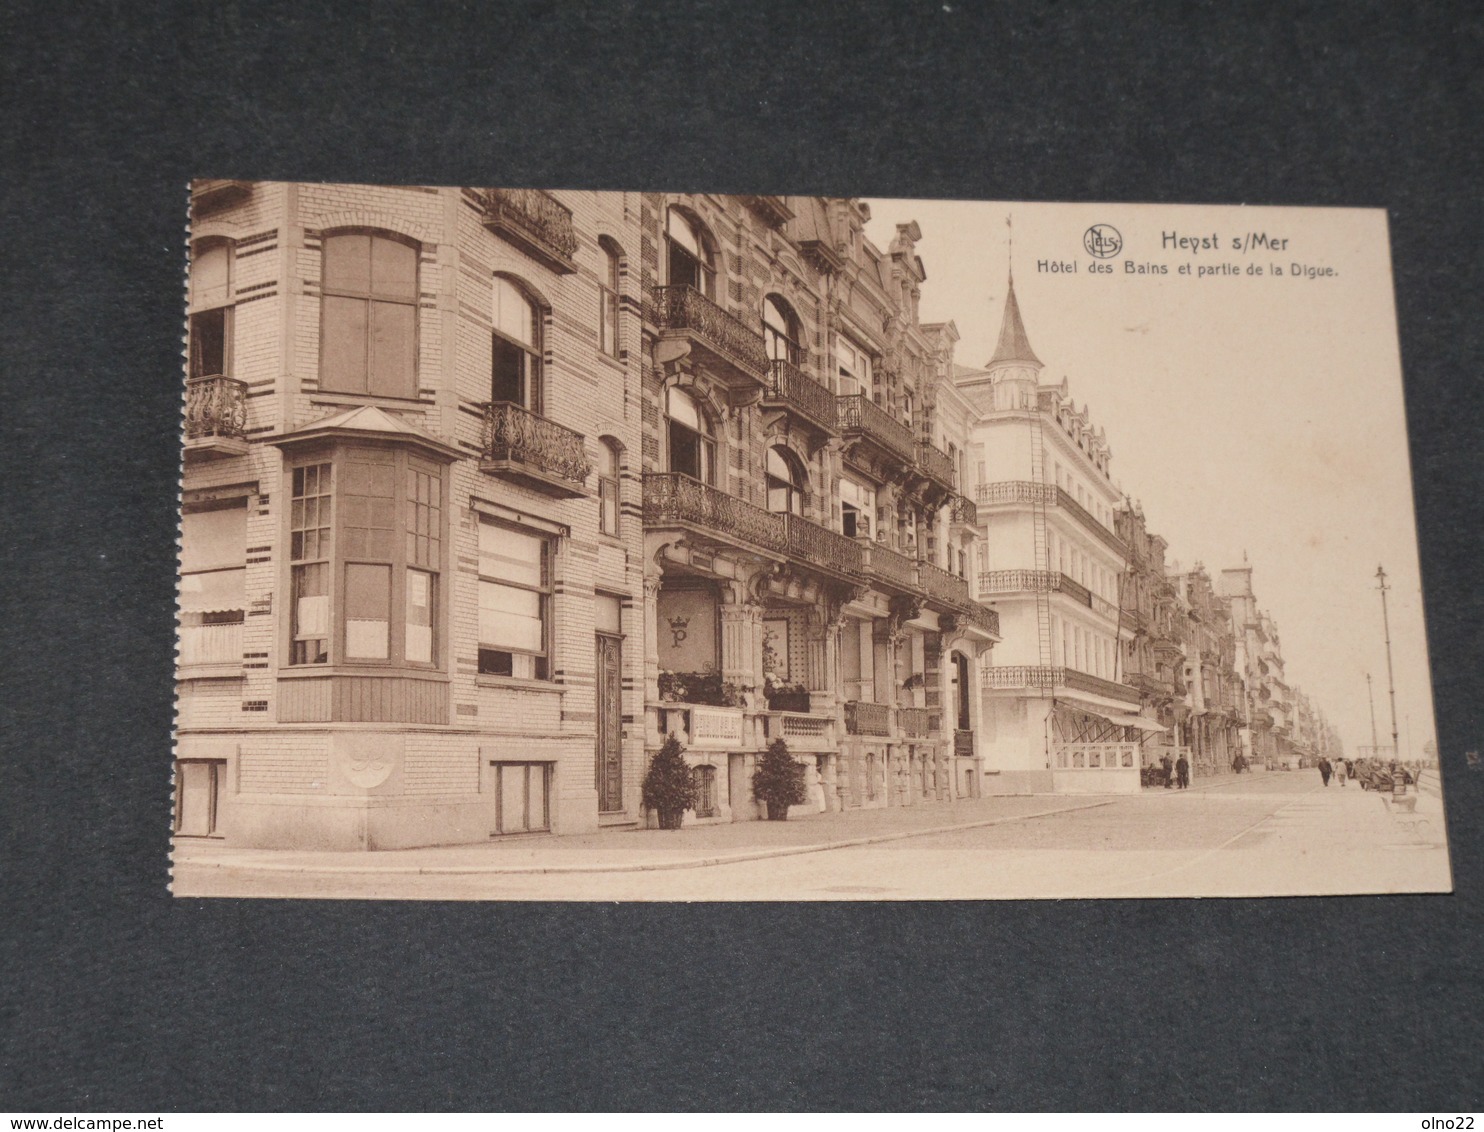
point(1014, 346)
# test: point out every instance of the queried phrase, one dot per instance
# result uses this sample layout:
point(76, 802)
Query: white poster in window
point(417, 589)
point(366, 640)
point(420, 643)
point(313, 617)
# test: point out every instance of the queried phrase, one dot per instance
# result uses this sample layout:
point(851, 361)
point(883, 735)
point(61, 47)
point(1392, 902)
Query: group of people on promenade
point(1372, 774)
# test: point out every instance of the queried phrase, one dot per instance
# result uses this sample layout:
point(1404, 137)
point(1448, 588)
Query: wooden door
point(609, 755)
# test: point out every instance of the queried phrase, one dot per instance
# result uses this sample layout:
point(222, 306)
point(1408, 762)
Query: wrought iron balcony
point(1049, 677)
point(914, 722)
point(536, 222)
point(731, 349)
point(943, 588)
point(885, 567)
point(984, 617)
point(1044, 581)
point(821, 548)
point(520, 445)
point(936, 466)
point(863, 419)
point(774, 210)
point(671, 499)
point(216, 416)
point(792, 389)
point(862, 718)
point(964, 510)
point(208, 195)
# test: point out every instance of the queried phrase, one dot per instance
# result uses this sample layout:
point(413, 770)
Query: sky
point(1249, 414)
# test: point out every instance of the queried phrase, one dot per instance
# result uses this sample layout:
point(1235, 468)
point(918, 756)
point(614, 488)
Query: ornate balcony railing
point(812, 543)
point(1104, 606)
point(861, 416)
point(794, 389)
point(726, 335)
point(964, 510)
point(774, 209)
point(1052, 676)
point(944, 587)
point(1050, 581)
point(673, 498)
point(889, 566)
point(963, 744)
point(862, 718)
point(1027, 491)
point(1091, 522)
point(518, 442)
point(537, 222)
point(936, 464)
point(984, 617)
point(913, 722)
point(215, 407)
point(1015, 491)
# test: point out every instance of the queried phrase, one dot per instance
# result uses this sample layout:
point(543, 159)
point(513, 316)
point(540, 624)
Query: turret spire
point(1014, 346)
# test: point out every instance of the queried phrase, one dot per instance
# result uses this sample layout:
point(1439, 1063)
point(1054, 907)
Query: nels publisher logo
point(1102, 241)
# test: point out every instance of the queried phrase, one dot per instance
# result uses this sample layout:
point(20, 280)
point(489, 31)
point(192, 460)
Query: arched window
point(692, 447)
point(785, 482)
point(608, 487)
point(516, 372)
point(608, 267)
point(781, 331)
point(689, 257)
point(368, 329)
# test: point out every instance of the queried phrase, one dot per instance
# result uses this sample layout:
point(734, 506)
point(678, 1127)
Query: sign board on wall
point(687, 631)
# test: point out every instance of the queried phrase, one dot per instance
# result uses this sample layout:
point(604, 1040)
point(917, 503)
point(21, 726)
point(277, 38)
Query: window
point(857, 505)
point(369, 324)
point(785, 482)
point(689, 258)
point(907, 408)
point(213, 576)
point(311, 540)
point(211, 311)
point(704, 778)
point(608, 487)
point(516, 360)
point(781, 331)
point(855, 367)
point(522, 797)
point(366, 547)
point(959, 674)
point(692, 448)
point(608, 297)
point(514, 602)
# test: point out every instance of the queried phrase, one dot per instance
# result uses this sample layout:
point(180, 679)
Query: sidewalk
point(645, 850)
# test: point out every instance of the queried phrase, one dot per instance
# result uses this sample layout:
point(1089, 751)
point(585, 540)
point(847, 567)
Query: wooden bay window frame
point(367, 528)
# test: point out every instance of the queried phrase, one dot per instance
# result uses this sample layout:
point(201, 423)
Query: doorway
point(609, 755)
point(197, 792)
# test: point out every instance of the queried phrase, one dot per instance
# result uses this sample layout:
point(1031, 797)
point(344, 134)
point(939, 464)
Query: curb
point(654, 866)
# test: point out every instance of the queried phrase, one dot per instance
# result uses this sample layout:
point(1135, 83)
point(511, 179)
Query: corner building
point(1056, 716)
point(488, 491)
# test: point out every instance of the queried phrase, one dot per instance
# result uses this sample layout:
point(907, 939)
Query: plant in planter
point(669, 786)
point(700, 688)
point(778, 781)
point(786, 697)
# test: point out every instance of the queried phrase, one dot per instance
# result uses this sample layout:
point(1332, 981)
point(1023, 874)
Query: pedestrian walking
point(1182, 771)
point(1164, 762)
point(1342, 772)
point(1325, 770)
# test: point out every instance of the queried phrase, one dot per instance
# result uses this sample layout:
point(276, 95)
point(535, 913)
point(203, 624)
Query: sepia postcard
point(580, 545)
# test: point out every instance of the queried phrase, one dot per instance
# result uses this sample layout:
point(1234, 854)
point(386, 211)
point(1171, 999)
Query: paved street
point(1261, 834)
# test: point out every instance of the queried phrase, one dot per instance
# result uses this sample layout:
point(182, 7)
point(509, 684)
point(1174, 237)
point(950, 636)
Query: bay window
point(366, 556)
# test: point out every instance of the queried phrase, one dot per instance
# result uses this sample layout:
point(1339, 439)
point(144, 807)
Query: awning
point(1143, 723)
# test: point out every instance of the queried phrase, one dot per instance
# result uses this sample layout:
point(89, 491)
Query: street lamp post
point(1390, 676)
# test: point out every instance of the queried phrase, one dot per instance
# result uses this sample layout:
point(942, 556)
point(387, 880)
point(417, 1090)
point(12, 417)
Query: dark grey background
point(115, 997)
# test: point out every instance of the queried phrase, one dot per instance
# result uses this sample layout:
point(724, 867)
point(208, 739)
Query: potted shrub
point(778, 781)
point(785, 697)
point(669, 787)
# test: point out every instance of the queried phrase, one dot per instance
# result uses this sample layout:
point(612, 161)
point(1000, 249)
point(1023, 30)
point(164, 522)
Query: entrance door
point(609, 768)
point(737, 794)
